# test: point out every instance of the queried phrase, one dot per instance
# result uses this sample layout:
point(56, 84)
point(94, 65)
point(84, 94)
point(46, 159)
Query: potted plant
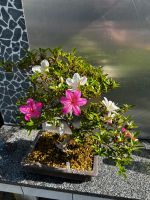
point(67, 96)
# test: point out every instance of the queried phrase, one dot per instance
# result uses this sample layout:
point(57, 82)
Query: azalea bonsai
point(67, 91)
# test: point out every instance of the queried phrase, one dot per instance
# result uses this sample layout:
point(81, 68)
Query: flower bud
point(61, 80)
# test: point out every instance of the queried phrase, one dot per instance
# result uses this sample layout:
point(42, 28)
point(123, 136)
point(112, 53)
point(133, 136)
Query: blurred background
point(111, 33)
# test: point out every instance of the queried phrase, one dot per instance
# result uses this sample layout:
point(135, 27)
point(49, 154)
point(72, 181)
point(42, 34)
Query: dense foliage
point(66, 88)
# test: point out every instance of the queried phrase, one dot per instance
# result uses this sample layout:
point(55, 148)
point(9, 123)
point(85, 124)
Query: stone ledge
point(106, 185)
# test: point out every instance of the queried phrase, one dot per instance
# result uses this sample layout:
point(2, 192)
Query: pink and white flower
point(72, 102)
point(32, 109)
point(76, 81)
point(44, 67)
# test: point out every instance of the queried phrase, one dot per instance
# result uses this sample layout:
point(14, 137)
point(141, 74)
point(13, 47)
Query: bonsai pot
point(67, 172)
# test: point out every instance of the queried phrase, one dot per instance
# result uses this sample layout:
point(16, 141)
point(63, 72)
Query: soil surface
point(77, 155)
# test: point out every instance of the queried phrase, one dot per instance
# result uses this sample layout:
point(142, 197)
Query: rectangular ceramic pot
point(58, 172)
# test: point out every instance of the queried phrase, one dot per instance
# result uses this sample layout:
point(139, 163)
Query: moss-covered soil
point(79, 155)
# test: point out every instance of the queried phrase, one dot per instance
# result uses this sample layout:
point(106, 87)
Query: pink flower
point(32, 109)
point(123, 129)
point(72, 102)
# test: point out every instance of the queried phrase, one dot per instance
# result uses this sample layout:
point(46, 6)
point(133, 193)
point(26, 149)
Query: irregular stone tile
point(15, 84)
point(1, 96)
point(4, 105)
point(5, 42)
point(24, 45)
point(24, 36)
point(20, 75)
point(2, 49)
point(2, 76)
point(15, 57)
point(22, 53)
point(10, 5)
point(9, 76)
point(10, 58)
point(6, 55)
point(14, 100)
point(2, 23)
point(21, 23)
point(17, 34)
point(12, 24)
point(18, 4)
point(7, 116)
point(15, 70)
point(19, 89)
point(6, 92)
point(7, 34)
point(19, 80)
point(3, 3)
point(16, 46)
point(7, 100)
point(9, 50)
point(14, 13)
point(1, 30)
point(11, 107)
point(11, 87)
point(4, 15)
point(2, 89)
point(25, 85)
point(6, 83)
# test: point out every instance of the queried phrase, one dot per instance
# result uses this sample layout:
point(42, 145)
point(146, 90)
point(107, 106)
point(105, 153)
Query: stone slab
point(10, 188)
point(106, 185)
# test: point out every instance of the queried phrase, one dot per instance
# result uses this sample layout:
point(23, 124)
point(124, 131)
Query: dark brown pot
point(59, 172)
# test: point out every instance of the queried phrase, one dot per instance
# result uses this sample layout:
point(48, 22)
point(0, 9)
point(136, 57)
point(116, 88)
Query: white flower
point(41, 68)
point(76, 81)
point(110, 106)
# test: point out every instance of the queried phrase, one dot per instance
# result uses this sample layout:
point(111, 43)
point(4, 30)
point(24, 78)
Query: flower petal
point(77, 93)
point(83, 80)
point(75, 85)
point(39, 106)
point(115, 107)
point(123, 129)
point(36, 114)
point(67, 109)
point(69, 94)
point(82, 101)
point(65, 101)
point(76, 77)
point(24, 109)
point(44, 63)
point(105, 102)
point(36, 69)
point(76, 110)
point(27, 117)
point(30, 101)
point(69, 81)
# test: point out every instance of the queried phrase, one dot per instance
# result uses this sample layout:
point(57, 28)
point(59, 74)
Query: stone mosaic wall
point(12, 86)
point(13, 34)
point(13, 43)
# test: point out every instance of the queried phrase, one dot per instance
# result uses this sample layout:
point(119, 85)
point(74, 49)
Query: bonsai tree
point(67, 91)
